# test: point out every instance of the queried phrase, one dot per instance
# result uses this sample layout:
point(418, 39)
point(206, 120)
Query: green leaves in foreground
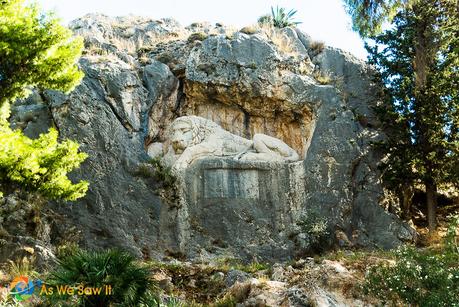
point(129, 280)
point(40, 165)
point(420, 277)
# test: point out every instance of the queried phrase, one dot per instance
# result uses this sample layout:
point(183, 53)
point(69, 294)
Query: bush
point(197, 36)
point(130, 282)
point(36, 52)
point(163, 173)
point(265, 20)
point(317, 47)
point(421, 277)
point(316, 227)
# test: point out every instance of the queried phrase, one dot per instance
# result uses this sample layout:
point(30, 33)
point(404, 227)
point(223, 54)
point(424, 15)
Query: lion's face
point(182, 136)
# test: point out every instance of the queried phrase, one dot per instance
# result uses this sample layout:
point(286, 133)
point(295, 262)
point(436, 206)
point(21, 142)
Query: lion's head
point(187, 131)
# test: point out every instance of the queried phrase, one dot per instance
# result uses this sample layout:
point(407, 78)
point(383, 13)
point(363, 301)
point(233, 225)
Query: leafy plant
point(163, 173)
point(40, 165)
point(421, 277)
point(130, 281)
point(197, 36)
point(316, 227)
point(36, 51)
point(416, 59)
point(281, 18)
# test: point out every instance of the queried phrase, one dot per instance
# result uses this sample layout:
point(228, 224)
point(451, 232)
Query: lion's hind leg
point(273, 149)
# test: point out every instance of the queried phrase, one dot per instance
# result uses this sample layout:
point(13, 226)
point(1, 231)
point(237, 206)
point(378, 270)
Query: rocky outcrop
point(306, 282)
point(141, 74)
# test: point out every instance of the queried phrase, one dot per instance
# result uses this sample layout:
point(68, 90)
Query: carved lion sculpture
point(193, 137)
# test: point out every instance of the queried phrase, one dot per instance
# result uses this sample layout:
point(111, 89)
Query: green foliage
point(369, 15)
point(130, 281)
point(417, 60)
point(40, 165)
point(197, 36)
point(163, 173)
point(226, 301)
point(228, 263)
point(265, 20)
point(317, 229)
point(35, 51)
point(67, 249)
point(419, 277)
point(281, 18)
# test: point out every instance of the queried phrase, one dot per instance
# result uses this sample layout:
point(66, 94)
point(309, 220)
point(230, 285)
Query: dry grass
point(282, 41)
point(249, 30)
point(128, 45)
point(22, 267)
point(317, 47)
point(323, 77)
point(132, 46)
point(197, 36)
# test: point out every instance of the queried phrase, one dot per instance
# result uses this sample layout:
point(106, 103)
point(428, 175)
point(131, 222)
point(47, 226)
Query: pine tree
point(36, 51)
point(418, 62)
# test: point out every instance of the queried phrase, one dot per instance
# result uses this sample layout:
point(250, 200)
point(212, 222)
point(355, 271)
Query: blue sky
point(324, 20)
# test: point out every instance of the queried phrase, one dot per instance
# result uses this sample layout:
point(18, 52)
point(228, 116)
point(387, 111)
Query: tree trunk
point(406, 199)
point(431, 197)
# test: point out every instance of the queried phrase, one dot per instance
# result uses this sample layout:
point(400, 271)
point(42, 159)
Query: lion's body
point(194, 137)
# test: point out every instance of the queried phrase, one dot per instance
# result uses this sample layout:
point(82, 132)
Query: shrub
point(130, 282)
point(265, 20)
point(282, 19)
point(421, 277)
point(163, 173)
point(317, 47)
point(316, 227)
point(197, 36)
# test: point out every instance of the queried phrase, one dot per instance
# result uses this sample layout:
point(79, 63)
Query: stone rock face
point(141, 74)
point(245, 207)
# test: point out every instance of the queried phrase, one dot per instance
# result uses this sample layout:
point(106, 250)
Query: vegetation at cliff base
point(428, 277)
point(124, 281)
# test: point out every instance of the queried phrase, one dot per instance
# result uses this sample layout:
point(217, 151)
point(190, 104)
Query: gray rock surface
point(141, 74)
point(234, 276)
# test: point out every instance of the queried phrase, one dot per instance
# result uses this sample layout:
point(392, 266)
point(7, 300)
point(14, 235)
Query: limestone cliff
point(141, 74)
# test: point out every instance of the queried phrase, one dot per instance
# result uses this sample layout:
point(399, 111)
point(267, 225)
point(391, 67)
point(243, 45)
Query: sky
point(324, 20)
